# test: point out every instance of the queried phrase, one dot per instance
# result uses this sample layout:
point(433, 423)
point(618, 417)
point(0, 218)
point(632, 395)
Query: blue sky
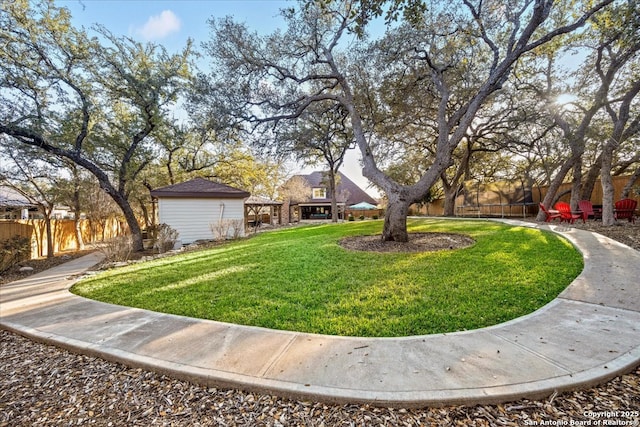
point(171, 23)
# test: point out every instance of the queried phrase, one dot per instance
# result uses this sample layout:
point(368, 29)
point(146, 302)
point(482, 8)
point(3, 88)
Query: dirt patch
point(418, 242)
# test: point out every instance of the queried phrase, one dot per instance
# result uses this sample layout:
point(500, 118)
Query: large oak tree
point(320, 57)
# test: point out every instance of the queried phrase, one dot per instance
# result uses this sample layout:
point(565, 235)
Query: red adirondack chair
point(625, 208)
point(566, 214)
point(586, 207)
point(550, 215)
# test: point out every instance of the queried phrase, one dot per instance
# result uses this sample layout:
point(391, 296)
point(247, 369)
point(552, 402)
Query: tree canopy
point(431, 93)
point(444, 63)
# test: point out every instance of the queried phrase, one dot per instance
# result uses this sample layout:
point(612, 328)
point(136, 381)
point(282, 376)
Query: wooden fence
point(62, 231)
point(511, 199)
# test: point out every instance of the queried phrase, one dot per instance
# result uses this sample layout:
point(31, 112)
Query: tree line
point(429, 92)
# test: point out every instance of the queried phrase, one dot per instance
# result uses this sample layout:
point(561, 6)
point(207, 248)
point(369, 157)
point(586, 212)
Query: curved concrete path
point(589, 334)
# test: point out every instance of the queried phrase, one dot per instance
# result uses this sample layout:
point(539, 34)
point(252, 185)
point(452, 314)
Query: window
point(319, 193)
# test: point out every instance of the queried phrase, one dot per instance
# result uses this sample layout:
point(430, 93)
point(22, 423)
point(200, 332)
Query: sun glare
point(565, 98)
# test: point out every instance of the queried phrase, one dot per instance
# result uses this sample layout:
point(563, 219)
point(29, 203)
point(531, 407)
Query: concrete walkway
point(589, 334)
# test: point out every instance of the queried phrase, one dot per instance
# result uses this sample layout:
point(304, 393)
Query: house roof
point(345, 187)
point(10, 198)
point(259, 200)
point(200, 188)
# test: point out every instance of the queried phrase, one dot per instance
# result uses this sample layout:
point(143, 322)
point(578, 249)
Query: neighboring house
point(317, 204)
point(200, 209)
point(14, 205)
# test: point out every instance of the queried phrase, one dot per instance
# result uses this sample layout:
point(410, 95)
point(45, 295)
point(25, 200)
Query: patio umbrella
point(363, 206)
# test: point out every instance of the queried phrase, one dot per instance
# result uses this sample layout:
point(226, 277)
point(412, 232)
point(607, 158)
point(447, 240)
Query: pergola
point(256, 206)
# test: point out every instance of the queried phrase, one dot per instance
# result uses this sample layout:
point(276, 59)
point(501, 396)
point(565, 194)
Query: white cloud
point(160, 26)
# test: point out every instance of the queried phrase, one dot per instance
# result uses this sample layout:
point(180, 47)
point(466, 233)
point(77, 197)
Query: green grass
point(301, 279)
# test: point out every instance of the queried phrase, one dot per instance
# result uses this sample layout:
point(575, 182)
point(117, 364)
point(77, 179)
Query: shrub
point(351, 218)
point(361, 217)
point(117, 249)
point(374, 217)
point(166, 238)
point(227, 229)
point(13, 251)
point(237, 225)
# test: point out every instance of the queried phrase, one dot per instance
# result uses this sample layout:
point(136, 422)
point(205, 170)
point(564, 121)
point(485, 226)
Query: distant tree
point(26, 171)
point(320, 136)
point(70, 190)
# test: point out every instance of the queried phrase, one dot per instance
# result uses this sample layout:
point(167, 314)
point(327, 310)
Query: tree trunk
point(451, 191)
point(47, 223)
point(626, 191)
point(589, 182)
point(129, 215)
point(576, 184)
point(607, 186)
point(334, 196)
point(76, 208)
point(450, 194)
point(554, 186)
point(395, 219)
point(145, 213)
point(134, 228)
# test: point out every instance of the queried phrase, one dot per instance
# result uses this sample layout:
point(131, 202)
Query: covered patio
point(261, 210)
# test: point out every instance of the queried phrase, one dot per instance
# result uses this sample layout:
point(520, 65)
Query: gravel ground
point(46, 386)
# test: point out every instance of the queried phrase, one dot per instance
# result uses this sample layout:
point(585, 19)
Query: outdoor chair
point(566, 214)
point(625, 208)
point(550, 214)
point(587, 209)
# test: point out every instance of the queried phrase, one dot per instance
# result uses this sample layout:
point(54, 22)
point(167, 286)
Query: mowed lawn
point(301, 279)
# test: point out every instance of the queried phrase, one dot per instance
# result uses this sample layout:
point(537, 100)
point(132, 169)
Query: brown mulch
point(47, 386)
point(418, 242)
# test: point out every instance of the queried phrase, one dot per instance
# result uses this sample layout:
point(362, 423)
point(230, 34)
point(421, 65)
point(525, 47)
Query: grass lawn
point(301, 279)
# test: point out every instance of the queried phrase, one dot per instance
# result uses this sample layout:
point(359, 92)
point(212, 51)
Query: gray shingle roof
point(200, 188)
point(345, 186)
point(10, 198)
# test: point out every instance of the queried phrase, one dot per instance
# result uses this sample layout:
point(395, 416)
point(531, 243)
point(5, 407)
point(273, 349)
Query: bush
point(374, 217)
point(351, 218)
point(13, 251)
point(117, 249)
point(227, 229)
point(361, 217)
point(165, 239)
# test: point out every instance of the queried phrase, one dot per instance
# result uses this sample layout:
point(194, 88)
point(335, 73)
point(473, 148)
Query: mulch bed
point(46, 386)
point(418, 242)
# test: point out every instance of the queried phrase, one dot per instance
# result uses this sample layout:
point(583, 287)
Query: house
point(15, 205)
point(316, 203)
point(201, 209)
